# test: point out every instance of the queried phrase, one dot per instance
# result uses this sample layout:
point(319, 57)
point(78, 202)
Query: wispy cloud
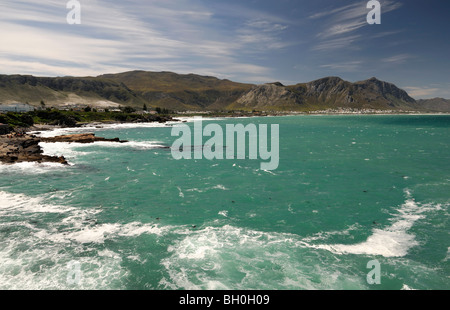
point(422, 92)
point(344, 66)
point(397, 59)
point(337, 43)
point(262, 35)
point(385, 34)
point(345, 21)
point(129, 34)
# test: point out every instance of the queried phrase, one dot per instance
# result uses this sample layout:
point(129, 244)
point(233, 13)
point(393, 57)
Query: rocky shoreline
point(17, 147)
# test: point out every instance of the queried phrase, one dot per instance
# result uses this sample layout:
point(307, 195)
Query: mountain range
point(182, 92)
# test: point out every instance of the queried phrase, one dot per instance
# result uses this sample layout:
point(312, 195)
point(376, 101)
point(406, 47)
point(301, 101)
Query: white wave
point(40, 267)
point(406, 288)
point(205, 259)
point(220, 186)
point(324, 235)
point(28, 261)
point(97, 127)
point(25, 204)
point(223, 213)
point(142, 145)
point(30, 168)
point(392, 241)
point(100, 233)
point(194, 190)
point(191, 119)
point(38, 250)
point(74, 149)
point(62, 131)
point(68, 150)
point(447, 257)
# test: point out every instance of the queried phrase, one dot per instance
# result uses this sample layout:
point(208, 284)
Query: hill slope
point(435, 104)
point(329, 92)
point(205, 93)
point(181, 91)
point(60, 91)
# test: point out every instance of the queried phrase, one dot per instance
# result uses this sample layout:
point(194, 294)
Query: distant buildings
point(16, 107)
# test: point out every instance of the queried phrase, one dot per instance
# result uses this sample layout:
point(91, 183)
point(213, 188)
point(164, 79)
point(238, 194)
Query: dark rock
point(80, 138)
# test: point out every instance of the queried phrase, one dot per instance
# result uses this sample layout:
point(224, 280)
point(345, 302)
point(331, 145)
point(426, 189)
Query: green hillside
point(181, 91)
point(191, 92)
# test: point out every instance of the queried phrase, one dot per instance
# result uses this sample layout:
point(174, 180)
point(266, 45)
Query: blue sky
point(256, 41)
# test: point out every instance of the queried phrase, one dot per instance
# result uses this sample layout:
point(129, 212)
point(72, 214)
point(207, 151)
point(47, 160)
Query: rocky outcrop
point(268, 96)
point(24, 148)
point(16, 148)
point(329, 92)
point(80, 138)
point(4, 129)
point(385, 90)
point(435, 104)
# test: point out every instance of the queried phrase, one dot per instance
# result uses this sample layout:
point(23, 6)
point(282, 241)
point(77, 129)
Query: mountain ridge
point(194, 92)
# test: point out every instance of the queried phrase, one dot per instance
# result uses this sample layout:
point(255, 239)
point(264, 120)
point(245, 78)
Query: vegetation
point(180, 91)
point(72, 118)
point(128, 110)
point(22, 88)
point(163, 111)
point(14, 119)
point(141, 90)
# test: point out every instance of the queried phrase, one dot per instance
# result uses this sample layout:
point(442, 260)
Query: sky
point(255, 41)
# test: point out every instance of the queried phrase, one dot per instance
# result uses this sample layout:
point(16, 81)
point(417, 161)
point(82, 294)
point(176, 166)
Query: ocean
point(358, 202)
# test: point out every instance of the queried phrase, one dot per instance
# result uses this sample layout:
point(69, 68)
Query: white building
point(16, 107)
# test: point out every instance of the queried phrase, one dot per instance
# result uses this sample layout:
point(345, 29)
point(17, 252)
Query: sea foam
point(35, 253)
point(392, 241)
point(230, 257)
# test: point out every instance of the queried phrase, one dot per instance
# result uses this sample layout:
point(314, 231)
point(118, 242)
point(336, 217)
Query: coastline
point(22, 145)
point(17, 148)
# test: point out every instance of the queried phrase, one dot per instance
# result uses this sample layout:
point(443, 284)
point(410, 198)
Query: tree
point(145, 107)
point(87, 109)
point(128, 110)
point(42, 104)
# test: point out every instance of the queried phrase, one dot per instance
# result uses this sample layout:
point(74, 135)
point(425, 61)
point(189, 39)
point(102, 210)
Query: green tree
point(128, 110)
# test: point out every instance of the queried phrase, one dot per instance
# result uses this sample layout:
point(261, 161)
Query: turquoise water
point(348, 190)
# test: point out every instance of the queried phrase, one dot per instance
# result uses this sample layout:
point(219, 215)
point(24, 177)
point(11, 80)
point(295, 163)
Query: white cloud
point(397, 59)
point(338, 43)
point(261, 35)
point(345, 21)
point(344, 66)
point(131, 34)
point(422, 92)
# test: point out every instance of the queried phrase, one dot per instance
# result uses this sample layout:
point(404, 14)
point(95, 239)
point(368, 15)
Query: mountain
point(329, 92)
point(183, 92)
point(435, 104)
point(61, 91)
